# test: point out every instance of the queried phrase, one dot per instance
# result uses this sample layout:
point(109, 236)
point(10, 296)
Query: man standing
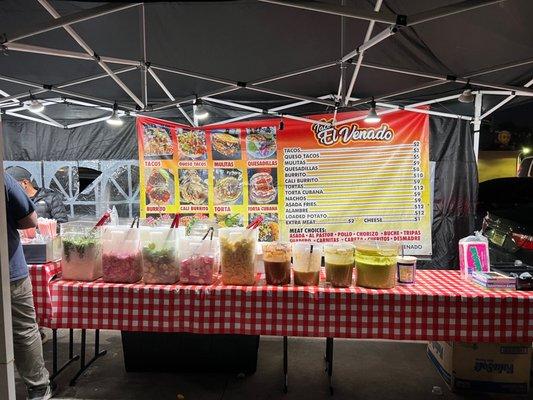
point(20, 214)
point(48, 202)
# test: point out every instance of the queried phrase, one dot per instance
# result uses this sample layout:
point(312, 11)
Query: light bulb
point(200, 112)
point(372, 116)
point(114, 119)
point(36, 106)
point(467, 96)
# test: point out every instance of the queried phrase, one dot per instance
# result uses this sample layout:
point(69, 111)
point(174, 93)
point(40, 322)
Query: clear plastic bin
point(306, 262)
point(376, 264)
point(238, 255)
point(81, 257)
point(277, 261)
point(160, 255)
point(339, 260)
point(121, 255)
point(198, 261)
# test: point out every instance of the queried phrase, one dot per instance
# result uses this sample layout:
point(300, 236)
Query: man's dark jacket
point(49, 204)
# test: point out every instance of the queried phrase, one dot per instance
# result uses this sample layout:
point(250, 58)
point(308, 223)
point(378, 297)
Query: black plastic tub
point(187, 352)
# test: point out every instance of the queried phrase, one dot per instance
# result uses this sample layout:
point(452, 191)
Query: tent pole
point(494, 92)
point(169, 95)
point(95, 77)
point(361, 54)
point(478, 103)
point(92, 121)
point(232, 104)
point(235, 119)
point(518, 90)
point(350, 12)
point(291, 95)
point(504, 101)
point(90, 98)
point(445, 11)
point(42, 121)
point(275, 109)
point(193, 75)
point(51, 10)
point(342, 66)
point(415, 88)
point(46, 117)
point(7, 357)
point(193, 97)
point(387, 32)
point(20, 82)
point(500, 67)
point(28, 48)
point(259, 110)
point(297, 72)
point(144, 80)
point(71, 19)
point(62, 85)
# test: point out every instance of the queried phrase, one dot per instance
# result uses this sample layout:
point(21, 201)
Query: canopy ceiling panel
point(245, 41)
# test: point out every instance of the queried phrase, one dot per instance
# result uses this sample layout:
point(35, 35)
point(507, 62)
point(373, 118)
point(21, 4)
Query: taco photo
point(157, 142)
point(192, 145)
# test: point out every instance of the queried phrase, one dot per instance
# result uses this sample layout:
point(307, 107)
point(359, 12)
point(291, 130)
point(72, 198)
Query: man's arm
point(18, 205)
point(29, 221)
point(57, 209)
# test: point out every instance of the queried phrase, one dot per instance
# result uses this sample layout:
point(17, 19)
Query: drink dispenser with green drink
point(376, 264)
point(82, 251)
point(339, 260)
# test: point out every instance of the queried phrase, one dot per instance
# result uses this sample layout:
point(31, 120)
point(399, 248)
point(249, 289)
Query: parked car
point(525, 169)
point(507, 206)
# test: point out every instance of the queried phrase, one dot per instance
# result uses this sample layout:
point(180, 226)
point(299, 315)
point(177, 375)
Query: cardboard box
point(485, 367)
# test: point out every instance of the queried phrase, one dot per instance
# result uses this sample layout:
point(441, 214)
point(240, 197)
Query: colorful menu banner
point(310, 182)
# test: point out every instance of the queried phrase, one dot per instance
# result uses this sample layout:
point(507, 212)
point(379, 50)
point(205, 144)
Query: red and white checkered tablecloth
point(41, 275)
point(441, 306)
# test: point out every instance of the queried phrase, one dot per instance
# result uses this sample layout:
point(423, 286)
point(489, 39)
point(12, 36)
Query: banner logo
point(352, 133)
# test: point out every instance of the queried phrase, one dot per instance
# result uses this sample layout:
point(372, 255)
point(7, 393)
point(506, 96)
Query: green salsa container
point(376, 264)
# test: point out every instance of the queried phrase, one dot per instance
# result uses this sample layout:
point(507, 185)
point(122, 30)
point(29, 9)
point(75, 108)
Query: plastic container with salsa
point(238, 255)
point(376, 264)
point(121, 255)
point(81, 258)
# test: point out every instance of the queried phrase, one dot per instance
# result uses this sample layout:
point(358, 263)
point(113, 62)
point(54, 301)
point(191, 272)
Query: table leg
point(71, 357)
point(329, 362)
point(97, 354)
point(285, 364)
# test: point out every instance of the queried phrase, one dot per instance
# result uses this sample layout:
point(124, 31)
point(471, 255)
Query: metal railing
point(118, 185)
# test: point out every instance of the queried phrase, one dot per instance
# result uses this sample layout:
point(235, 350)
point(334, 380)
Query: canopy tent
point(250, 58)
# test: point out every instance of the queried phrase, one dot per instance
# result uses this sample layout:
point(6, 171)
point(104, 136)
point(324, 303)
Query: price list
point(356, 185)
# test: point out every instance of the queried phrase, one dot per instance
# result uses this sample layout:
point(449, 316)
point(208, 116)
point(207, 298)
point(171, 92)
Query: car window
point(526, 167)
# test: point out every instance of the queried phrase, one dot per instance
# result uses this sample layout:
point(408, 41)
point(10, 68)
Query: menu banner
point(310, 182)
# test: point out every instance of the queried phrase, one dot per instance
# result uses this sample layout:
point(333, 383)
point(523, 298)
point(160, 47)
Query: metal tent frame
point(13, 104)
